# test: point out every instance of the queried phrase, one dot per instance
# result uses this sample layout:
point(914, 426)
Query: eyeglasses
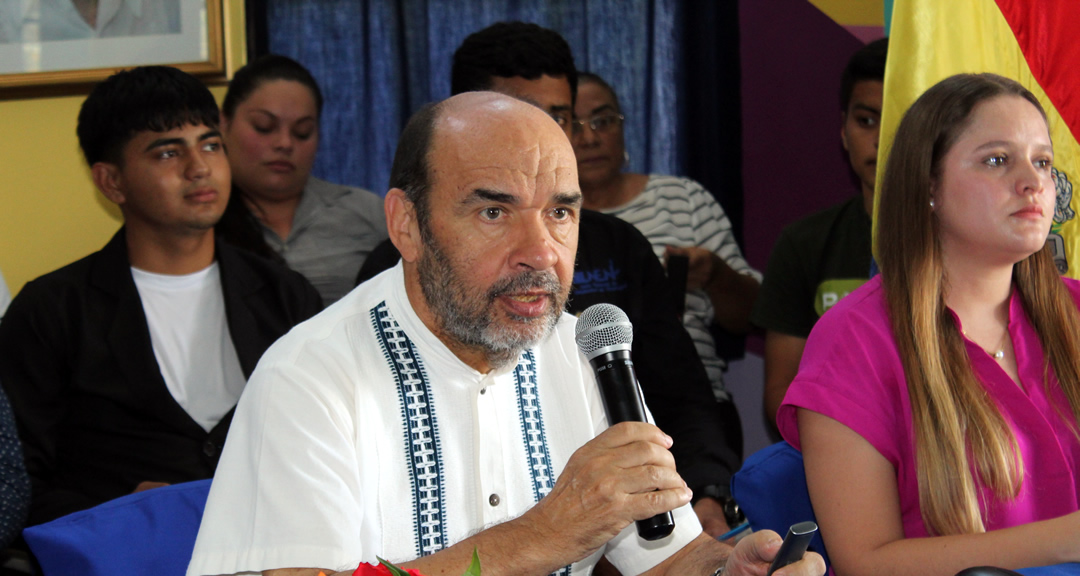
point(598, 124)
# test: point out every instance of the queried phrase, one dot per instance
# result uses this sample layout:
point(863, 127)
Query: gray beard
point(469, 317)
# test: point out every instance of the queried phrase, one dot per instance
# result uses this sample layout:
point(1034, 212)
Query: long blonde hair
point(955, 420)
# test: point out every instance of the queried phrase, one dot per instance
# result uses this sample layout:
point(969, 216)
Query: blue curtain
point(377, 61)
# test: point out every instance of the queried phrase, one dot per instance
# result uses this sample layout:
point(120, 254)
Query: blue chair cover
point(771, 489)
point(151, 532)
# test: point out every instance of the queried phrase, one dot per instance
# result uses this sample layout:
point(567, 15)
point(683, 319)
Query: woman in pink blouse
point(936, 406)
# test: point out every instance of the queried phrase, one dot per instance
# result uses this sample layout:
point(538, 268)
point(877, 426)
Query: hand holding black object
point(604, 335)
point(623, 475)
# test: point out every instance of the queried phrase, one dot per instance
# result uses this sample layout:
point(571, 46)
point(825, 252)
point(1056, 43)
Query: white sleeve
point(287, 490)
point(632, 555)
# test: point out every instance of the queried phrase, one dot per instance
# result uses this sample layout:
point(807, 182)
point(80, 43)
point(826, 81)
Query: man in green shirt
point(823, 257)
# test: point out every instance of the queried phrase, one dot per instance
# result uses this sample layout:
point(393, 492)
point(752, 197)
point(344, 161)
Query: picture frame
point(42, 53)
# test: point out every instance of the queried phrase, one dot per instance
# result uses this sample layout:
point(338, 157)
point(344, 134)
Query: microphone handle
point(622, 401)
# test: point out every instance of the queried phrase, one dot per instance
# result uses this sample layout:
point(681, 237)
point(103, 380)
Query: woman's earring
point(931, 203)
point(625, 158)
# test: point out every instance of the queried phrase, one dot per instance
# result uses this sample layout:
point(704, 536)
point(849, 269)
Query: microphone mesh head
point(602, 327)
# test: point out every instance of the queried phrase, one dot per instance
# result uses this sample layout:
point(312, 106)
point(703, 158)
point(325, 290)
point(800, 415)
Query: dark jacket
point(92, 407)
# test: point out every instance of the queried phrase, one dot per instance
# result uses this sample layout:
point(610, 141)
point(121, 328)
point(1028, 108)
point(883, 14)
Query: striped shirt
point(679, 212)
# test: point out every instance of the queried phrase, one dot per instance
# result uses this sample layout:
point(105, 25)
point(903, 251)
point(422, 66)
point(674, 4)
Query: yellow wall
point(50, 212)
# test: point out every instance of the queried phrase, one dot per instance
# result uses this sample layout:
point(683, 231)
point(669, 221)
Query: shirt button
point(494, 500)
point(484, 391)
point(209, 449)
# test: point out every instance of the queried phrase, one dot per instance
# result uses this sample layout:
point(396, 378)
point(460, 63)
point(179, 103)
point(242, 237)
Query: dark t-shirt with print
point(816, 261)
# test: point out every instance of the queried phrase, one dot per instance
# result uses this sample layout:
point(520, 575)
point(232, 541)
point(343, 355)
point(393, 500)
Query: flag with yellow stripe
point(1032, 42)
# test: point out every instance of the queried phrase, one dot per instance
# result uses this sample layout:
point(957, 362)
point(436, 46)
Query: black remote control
point(794, 546)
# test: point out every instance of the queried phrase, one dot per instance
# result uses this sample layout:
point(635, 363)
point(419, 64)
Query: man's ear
point(109, 181)
point(402, 225)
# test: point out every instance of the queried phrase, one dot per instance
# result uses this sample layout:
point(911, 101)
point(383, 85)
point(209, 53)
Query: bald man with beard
point(443, 406)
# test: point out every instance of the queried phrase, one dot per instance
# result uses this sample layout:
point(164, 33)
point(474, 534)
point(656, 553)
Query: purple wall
point(792, 56)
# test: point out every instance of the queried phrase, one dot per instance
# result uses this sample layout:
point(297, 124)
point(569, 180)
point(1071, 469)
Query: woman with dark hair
point(937, 405)
point(270, 122)
point(677, 215)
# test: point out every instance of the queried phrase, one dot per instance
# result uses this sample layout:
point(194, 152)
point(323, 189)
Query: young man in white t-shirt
point(123, 368)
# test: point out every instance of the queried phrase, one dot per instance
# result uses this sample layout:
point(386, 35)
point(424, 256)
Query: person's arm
point(854, 492)
point(34, 371)
point(624, 474)
point(710, 513)
point(677, 388)
point(716, 263)
point(732, 293)
point(751, 556)
point(782, 355)
point(702, 556)
point(673, 380)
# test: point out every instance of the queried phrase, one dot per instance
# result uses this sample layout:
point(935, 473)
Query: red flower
point(366, 569)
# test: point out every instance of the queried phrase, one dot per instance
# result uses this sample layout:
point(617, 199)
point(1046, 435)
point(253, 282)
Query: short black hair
point(147, 98)
point(868, 63)
point(511, 50)
point(264, 69)
point(411, 171)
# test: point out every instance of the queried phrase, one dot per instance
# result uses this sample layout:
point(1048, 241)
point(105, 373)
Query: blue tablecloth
point(1071, 569)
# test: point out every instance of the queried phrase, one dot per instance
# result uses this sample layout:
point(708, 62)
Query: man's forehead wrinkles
point(527, 162)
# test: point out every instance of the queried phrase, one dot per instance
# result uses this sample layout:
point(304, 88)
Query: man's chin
point(521, 332)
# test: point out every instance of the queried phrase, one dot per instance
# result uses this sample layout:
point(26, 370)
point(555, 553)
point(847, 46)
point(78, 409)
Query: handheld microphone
point(604, 335)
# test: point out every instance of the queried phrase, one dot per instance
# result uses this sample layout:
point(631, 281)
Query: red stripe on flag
point(1047, 33)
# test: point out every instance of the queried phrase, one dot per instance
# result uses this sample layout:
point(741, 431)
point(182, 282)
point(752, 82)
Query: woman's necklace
point(1000, 352)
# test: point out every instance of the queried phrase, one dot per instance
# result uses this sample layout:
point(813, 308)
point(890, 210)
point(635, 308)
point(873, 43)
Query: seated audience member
point(937, 405)
point(123, 368)
point(270, 122)
point(678, 217)
point(615, 265)
point(822, 258)
point(442, 407)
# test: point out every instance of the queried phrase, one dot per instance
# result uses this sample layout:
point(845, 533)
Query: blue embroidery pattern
point(532, 426)
point(532, 429)
point(421, 431)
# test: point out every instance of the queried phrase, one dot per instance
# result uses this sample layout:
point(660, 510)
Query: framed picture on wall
point(57, 46)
